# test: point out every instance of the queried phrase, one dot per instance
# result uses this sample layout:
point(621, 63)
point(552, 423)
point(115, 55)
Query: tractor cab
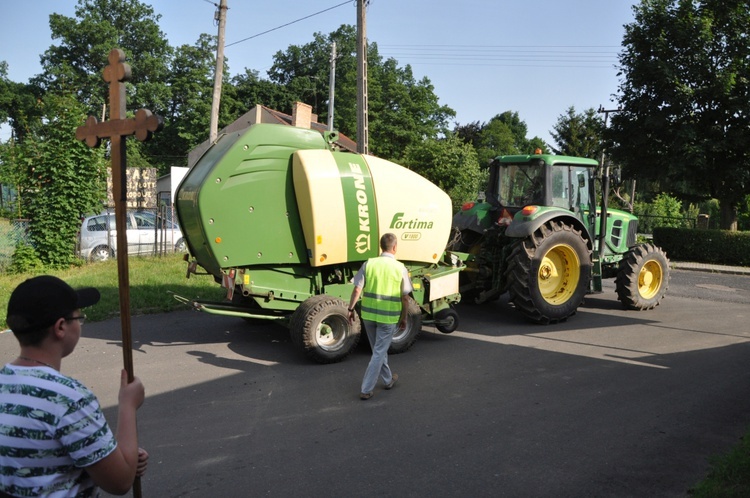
point(543, 180)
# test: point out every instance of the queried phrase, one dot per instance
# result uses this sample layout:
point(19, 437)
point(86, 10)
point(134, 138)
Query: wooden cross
point(117, 129)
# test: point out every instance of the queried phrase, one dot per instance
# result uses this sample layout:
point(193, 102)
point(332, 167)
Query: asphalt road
point(610, 403)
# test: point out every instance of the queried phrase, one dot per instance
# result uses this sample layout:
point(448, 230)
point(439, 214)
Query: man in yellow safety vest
point(384, 285)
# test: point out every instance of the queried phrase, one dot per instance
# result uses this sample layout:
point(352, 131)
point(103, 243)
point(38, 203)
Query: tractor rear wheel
point(549, 272)
point(321, 327)
point(643, 277)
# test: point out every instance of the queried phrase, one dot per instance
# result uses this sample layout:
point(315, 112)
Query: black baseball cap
point(40, 301)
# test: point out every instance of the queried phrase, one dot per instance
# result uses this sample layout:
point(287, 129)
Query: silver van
point(147, 234)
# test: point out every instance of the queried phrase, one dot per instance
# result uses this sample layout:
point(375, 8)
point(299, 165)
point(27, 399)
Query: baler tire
point(643, 277)
point(404, 339)
point(549, 272)
point(320, 327)
point(450, 318)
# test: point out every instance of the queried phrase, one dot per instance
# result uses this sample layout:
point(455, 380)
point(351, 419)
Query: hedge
point(704, 246)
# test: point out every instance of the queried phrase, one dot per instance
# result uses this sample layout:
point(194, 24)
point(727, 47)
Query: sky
point(483, 57)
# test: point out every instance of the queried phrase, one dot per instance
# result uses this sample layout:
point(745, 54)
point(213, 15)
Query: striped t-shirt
point(51, 427)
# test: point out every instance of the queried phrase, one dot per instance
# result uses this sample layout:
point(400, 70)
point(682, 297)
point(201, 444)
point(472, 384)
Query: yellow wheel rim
point(650, 279)
point(559, 274)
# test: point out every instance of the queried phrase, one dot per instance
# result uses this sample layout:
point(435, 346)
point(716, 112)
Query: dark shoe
point(364, 396)
point(392, 382)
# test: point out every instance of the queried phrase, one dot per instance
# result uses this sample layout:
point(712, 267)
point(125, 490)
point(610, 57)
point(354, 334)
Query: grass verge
point(153, 282)
point(729, 476)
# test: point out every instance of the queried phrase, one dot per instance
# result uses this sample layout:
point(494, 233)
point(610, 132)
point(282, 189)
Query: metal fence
point(647, 223)
point(12, 233)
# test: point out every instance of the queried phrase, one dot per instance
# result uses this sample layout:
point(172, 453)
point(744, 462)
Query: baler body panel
point(237, 203)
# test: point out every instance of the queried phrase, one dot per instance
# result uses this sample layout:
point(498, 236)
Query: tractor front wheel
point(643, 277)
point(321, 327)
point(549, 272)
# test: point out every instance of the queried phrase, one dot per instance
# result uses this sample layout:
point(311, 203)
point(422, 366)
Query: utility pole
point(221, 17)
point(331, 86)
point(363, 146)
point(606, 112)
point(605, 187)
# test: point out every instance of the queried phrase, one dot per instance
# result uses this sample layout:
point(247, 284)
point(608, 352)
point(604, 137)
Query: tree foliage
point(76, 63)
point(579, 135)
point(495, 139)
point(402, 110)
point(685, 100)
point(450, 164)
point(504, 134)
point(62, 179)
point(18, 104)
point(188, 113)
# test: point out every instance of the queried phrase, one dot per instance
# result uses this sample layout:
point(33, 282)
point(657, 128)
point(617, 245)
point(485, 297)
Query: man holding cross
point(54, 440)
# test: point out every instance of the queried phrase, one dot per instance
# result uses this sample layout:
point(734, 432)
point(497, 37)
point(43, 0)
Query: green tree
point(450, 164)
point(519, 130)
point(663, 211)
point(495, 139)
point(504, 134)
point(62, 179)
point(248, 90)
point(18, 104)
point(469, 133)
point(187, 117)
point(402, 111)
point(579, 135)
point(6, 94)
point(76, 63)
point(11, 177)
point(685, 112)
point(304, 73)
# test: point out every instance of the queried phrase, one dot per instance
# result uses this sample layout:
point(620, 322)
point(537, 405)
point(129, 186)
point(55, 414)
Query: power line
point(287, 24)
point(506, 46)
point(557, 56)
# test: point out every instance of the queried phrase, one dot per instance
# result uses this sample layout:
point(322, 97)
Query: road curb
point(710, 268)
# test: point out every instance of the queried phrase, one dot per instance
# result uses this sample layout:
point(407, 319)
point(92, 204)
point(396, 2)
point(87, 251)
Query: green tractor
point(538, 235)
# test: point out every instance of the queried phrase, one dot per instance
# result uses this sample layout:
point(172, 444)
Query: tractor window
point(580, 179)
point(570, 187)
point(520, 184)
point(560, 187)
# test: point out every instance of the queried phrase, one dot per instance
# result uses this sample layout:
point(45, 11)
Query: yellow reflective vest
point(381, 299)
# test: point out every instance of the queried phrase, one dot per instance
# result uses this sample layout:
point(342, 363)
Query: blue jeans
point(380, 336)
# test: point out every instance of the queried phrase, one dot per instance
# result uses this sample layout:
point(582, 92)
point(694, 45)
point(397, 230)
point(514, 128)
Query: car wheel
point(101, 253)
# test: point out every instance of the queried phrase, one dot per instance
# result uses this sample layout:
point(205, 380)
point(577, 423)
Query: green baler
point(284, 221)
